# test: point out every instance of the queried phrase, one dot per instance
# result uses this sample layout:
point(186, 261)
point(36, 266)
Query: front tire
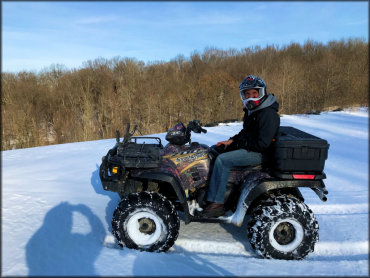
point(283, 228)
point(146, 221)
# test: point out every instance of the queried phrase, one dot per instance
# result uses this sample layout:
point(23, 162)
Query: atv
point(157, 182)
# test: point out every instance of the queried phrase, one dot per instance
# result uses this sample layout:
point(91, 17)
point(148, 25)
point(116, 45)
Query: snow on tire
point(146, 221)
point(283, 228)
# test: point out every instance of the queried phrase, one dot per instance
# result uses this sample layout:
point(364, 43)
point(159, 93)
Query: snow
point(56, 216)
point(140, 238)
point(295, 243)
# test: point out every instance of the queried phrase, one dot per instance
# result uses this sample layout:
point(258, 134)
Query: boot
point(212, 210)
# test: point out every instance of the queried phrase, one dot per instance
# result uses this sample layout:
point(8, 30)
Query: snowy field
point(56, 216)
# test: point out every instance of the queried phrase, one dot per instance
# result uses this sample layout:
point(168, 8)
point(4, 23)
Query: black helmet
point(177, 135)
point(252, 82)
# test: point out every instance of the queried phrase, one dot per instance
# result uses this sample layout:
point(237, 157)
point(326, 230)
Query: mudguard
point(259, 183)
point(170, 179)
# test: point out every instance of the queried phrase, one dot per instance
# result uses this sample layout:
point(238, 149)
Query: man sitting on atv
point(260, 126)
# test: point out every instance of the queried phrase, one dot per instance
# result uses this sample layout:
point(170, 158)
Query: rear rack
point(134, 139)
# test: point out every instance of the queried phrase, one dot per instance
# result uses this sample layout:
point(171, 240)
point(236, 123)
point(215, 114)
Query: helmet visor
point(261, 93)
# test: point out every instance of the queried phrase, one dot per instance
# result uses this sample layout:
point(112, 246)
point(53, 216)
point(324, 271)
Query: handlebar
point(196, 126)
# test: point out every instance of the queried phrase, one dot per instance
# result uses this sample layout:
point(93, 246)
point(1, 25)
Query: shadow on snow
point(114, 197)
point(56, 250)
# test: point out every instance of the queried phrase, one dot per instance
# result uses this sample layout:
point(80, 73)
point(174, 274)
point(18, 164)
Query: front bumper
point(110, 181)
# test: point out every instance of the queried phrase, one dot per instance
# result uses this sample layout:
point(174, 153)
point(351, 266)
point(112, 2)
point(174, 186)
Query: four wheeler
point(156, 181)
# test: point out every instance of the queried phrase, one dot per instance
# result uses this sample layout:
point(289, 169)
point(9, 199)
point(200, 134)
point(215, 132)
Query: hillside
point(56, 216)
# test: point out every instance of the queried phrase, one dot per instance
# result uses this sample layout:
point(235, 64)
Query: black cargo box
point(298, 151)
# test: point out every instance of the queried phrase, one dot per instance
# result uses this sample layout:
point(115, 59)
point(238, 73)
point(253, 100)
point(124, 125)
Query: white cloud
point(358, 22)
point(97, 19)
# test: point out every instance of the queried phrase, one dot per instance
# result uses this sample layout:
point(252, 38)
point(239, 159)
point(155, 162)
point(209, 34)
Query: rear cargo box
point(298, 151)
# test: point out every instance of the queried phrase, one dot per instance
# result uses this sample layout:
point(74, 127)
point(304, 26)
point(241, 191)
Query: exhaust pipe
point(321, 193)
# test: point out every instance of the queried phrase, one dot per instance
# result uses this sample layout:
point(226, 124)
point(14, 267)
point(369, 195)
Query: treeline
point(60, 105)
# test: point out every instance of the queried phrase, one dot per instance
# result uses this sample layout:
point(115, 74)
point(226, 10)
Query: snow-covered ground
point(56, 216)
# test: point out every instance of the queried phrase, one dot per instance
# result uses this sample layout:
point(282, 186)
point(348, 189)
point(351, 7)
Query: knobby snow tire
point(293, 215)
point(149, 205)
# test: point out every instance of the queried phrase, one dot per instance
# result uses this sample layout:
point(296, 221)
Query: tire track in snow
point(227, 248)
point(324, 248)
point(213, 247)
point(346, 248)
point(336, 209)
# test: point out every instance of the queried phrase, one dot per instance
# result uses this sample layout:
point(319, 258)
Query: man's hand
point(225, 143)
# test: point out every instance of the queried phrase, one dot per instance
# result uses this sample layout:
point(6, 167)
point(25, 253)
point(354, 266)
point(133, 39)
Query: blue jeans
point(221, 171)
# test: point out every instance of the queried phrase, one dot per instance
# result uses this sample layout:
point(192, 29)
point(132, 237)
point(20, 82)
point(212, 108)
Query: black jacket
point(259, 129)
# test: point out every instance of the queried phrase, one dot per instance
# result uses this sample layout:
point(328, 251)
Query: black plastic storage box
point(298, 151)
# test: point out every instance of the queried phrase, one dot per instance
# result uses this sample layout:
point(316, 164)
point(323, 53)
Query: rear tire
point(283, 228)
point(146, 221)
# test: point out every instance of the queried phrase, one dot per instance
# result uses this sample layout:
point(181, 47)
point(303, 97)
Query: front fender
point(173, 181)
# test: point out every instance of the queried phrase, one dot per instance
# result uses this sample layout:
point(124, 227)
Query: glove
point(224, 143)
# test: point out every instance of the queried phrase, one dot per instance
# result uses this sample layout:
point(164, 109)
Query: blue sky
point(36, 35)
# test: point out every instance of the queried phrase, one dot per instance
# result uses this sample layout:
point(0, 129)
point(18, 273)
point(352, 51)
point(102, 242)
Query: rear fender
point(292, 186)
point(261, 183)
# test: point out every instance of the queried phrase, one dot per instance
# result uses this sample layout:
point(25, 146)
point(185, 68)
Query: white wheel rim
point(292, 245)
point(136, 235)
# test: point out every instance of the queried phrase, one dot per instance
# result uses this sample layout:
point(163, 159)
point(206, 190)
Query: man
point(260, 125)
